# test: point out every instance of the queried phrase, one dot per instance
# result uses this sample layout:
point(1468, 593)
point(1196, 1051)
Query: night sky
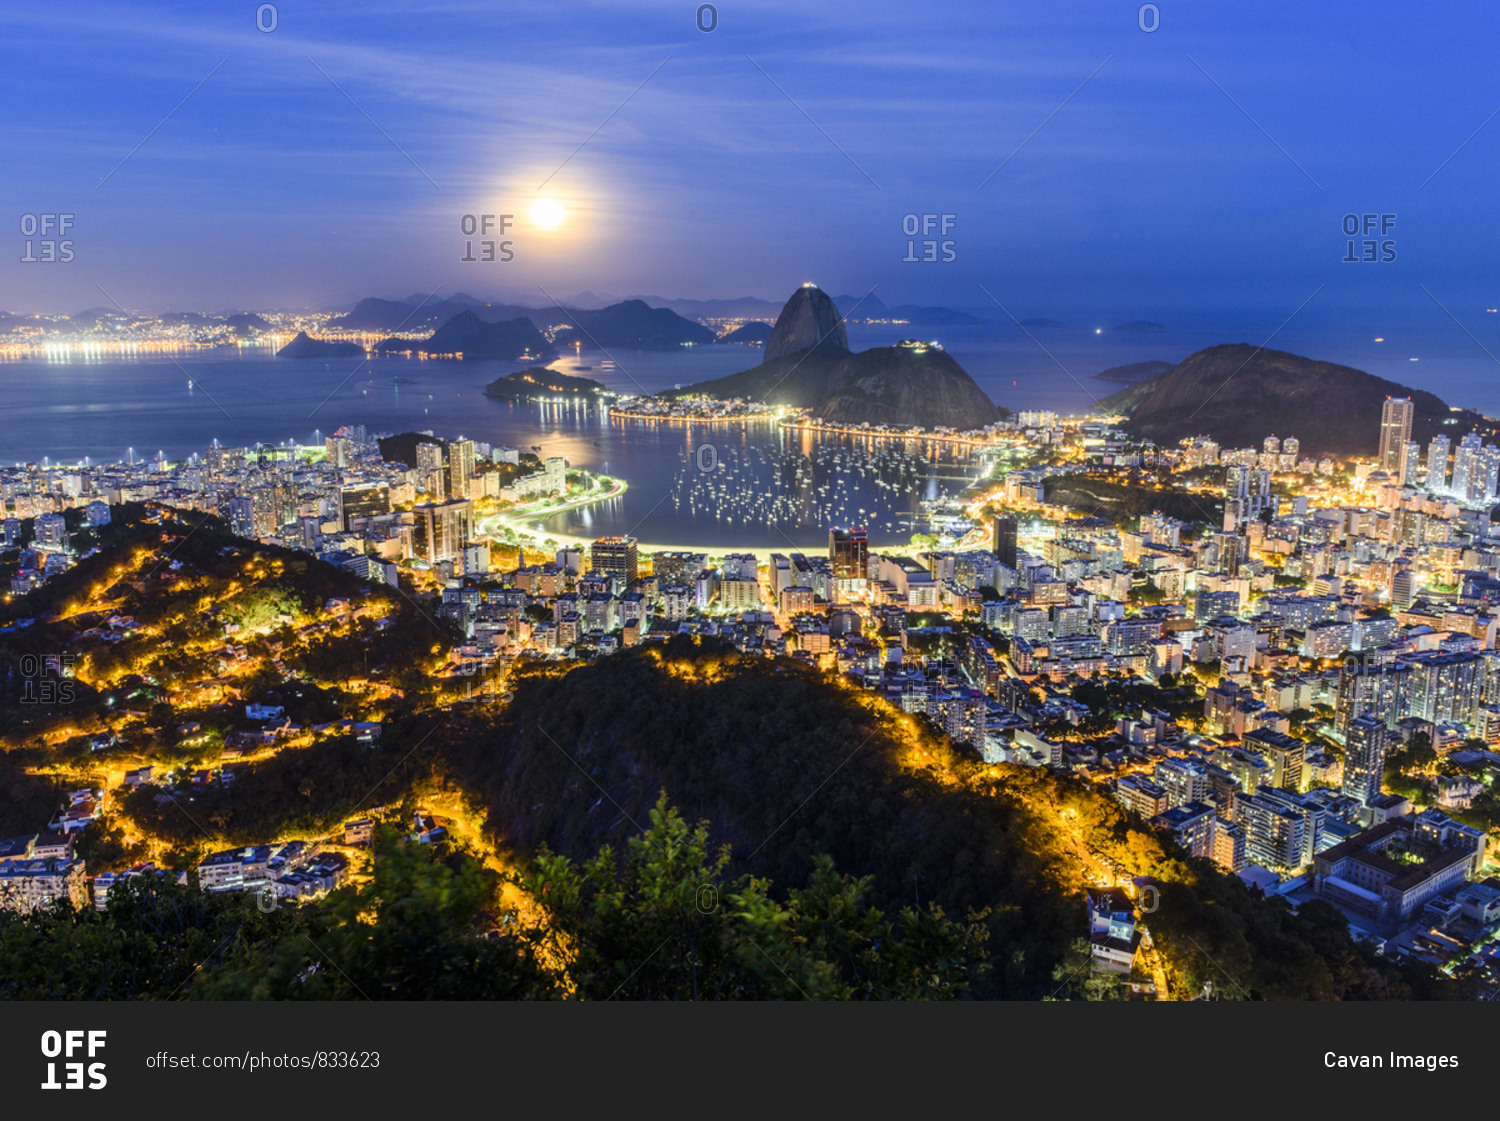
point(335, 156)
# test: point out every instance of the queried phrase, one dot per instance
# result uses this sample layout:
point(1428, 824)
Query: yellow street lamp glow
point(548, 213)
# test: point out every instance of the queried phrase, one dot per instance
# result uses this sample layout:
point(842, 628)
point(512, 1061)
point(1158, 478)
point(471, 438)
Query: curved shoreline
point(531, 535)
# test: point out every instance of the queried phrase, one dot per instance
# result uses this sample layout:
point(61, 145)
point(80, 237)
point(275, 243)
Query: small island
point(539, 382)
point(305, 346)
point(754, 333)
point(1134, 372)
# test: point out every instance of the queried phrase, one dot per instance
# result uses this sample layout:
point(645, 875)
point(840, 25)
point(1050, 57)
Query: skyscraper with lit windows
point(1364, 757)
point(1437, 463)
point(849, 552)
point(1005, 539)
point(1395, 430)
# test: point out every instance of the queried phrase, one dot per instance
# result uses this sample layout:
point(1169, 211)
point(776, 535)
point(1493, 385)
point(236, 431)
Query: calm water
point(761, 490)
point(712, 485)
point(1017, 372)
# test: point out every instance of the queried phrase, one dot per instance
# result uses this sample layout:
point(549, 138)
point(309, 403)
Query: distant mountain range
point(1240, 394)
point(467, 334)
point(427, 311)
point(632, 324)
point(808, 365)
point(372, 314)
point(244, 324)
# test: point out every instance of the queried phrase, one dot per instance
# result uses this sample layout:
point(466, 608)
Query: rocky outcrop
point(809, 319)
point(305, 346)
point(912, 384)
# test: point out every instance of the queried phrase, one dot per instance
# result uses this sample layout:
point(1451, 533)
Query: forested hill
point(785, 764)
point(1240, 394)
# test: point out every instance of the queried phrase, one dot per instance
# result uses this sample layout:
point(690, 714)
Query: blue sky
point(1150, 191)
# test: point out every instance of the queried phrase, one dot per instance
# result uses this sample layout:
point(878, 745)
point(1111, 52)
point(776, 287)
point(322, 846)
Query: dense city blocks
point(253, 671)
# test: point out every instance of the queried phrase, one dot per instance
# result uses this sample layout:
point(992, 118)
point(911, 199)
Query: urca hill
point(808, 364)
point(1239, 394)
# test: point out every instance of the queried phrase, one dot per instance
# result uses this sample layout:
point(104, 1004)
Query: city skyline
point(665, 502)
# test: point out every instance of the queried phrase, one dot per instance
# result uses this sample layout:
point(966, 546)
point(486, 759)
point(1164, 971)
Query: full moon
point(547, 213)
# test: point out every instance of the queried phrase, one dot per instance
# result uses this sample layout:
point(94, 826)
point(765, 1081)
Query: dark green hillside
point(1240, 394)
point(784, 765)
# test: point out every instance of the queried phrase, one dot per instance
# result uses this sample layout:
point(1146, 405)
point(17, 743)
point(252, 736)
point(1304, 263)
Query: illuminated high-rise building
point(443, 529)
point(1183, 779)
point(1005, 539)
point(1395, 430)
point(849, 552)
point(1230, 552)
point(239, 512)
point(616, 558)
point(1483, 482)
point(1447, 687)
point(1275, 835)
point(1382, 691)
point(51, 531)
point(1437, 463)
point(431, 478)
point(1364, 757)
point(460, 459)
point(1468, 469)
point(1237, 481)
point(1403, 587)
point(364, 501)
point(340, 450)
point(272, 507)
point(1411, 463)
